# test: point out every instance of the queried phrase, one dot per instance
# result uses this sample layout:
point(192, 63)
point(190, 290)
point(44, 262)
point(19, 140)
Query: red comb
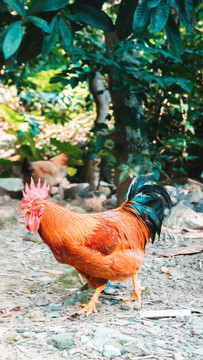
point(34, 192)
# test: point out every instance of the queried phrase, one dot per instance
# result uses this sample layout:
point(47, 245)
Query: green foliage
point(25, 128)
point(65, 34)
point(140, 65)
point(17, 5)
point(42, 80)
point(159, 16)
point(93, 16)
point(51, 38)
point(12, 39)
point(40, 23)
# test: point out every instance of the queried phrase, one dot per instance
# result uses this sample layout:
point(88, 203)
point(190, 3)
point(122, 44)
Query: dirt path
point(49, 327)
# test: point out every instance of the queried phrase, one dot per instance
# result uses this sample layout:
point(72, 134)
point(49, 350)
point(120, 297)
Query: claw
point(88, 308)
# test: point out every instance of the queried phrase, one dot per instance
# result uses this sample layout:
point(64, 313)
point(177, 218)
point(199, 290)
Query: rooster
point(104, 246)
point(52, 170)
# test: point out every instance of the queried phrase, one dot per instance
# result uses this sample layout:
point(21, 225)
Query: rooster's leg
point(137, 291)
point(91, 306)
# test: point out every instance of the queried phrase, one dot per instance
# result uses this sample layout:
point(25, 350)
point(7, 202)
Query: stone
point(111, 351)
point(174, 200)
point(194, 184)
point(4, 199)
point(62, 340)
point(172, 190)
point(199, 207)
point(105, 190)
point(91, 201)
point(12, 187)
point(195, 196)
point(34, 237)
point(82, 297)
point(179, 356)
point(85, 339)
point(111, 202)
point(54, 190)
point(109, 336)
point(184, 217)
point(73, 189)
point(53, 307)
point(198, 326)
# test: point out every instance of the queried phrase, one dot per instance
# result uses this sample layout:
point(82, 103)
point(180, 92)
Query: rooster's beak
point(26, 210)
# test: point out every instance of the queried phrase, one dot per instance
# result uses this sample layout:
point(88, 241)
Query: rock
point(62, 341)
point(91, 201)
point(54, 190)
point(46, 279)
point(174, 200)
point(73, 189)
point(105, 190)
point(4, 199)
point(82, 297)
point(179, 356)
point(195, 196)
point(85, 339)
point(184, 217)
point(107, 336)
point(32, 237)
point(172, 190)
point(111, 351)
point(7, 215)
point(111, 202)
point(182, 194)
point(64, 183)
point(198, 326)
point(53, 307)
point(194, 184)
point(12, 187)
point(199, 207)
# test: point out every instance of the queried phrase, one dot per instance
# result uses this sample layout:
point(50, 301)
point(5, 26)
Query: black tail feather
point(147, 201)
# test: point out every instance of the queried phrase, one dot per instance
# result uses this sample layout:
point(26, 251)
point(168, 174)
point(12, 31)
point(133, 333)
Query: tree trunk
point(102, 99)
point(128, 110)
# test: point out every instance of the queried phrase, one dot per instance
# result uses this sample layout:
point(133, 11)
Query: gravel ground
point(46, 295)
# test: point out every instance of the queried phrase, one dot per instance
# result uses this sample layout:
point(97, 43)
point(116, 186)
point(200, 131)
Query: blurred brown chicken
point(52, 170)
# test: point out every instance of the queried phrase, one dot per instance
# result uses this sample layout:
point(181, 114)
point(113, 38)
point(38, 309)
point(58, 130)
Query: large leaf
point(40, 23)
point(141, 16)
point(125, 17)
point(65, 34)
point(69, 149)
point(173, 36)
point(12, 39)
point(123, 176)
point(159, 16)
point(17, 5)
point(36, 6)
point(50, 39)
point(93, 16)
point(52, 5)
point(46, 5)
point(185, 84)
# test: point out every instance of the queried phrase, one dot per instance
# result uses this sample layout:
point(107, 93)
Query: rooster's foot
point(88, 308)
point(137, 291)
point(91, 306)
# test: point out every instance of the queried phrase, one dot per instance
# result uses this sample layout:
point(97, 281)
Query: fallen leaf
point(185, 250)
